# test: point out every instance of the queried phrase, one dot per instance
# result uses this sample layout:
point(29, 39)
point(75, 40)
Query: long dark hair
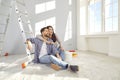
point(53, 37)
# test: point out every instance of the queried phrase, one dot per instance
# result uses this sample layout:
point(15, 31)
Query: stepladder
point(5, 13)
point(25, 28)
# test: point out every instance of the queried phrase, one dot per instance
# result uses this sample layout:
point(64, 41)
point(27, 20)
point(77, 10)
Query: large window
point(68, 31)
point(50, 21)
point(46, 6)
point(94, 18)
point(102, 16)
point(111, 15)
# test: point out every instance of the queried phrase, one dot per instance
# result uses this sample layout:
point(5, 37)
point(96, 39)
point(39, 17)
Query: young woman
point(56, 41)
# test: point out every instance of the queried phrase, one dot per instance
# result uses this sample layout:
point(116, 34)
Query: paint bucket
point(68, 56)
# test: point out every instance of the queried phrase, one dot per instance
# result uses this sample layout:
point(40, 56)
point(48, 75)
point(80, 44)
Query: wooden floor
point(93, 66)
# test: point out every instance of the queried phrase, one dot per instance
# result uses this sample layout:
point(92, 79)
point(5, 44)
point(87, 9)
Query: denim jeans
point(47, 59)
point(62, 54)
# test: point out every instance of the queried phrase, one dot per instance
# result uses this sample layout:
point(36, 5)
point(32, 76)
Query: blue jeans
point(62, 54)
point(47, 59)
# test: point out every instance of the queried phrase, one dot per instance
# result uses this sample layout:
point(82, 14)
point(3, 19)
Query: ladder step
point(24, 13)
point(28, 32)
point(25, 22)
point(23, 19)
point(21, 12)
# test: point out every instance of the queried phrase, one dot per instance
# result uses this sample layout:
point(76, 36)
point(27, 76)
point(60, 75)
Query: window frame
point(102, 20)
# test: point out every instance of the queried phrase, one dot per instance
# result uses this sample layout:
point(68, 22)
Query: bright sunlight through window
point(70, 2)
point(43, 7)
point(50, 21)
point(68, 32)
point(82, 20)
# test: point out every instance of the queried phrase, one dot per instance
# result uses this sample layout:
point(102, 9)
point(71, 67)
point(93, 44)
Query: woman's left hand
point(62, 48)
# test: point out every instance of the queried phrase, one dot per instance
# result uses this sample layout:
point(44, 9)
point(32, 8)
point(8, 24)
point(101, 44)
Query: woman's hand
point(58, 56)
point(52, 42)
point(62, 48)
point(49, 42)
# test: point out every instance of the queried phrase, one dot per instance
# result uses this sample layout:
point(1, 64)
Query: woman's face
point(50, 30)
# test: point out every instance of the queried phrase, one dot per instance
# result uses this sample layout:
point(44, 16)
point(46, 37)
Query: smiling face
point(50, 29)
point(45, 33)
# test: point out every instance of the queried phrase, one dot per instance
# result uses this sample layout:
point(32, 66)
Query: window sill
point(102, 35)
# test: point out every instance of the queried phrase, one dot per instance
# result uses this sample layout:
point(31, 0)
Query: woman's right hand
point(52, 42)
point(49, 42)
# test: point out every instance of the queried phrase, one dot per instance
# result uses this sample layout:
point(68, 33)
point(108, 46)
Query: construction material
point(25, 28)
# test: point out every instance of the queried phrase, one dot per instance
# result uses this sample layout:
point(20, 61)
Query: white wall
point(98, 44)
point(62, 12)
point(81, 21)
point(107, 44)
point(13, 40)
point(0, 2)
point(114, 46)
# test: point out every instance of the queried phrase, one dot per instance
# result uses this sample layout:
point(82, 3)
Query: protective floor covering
point(93, 66)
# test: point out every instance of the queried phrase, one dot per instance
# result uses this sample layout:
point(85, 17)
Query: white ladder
point(24, 24)
point(5, 12)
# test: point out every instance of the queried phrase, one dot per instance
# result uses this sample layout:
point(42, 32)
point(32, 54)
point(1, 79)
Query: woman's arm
point(58, 40)
point(41, 38)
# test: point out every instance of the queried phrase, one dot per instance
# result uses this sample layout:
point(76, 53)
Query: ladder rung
point(22, 12)
point(21, 21)
point(25, 22)
point(28, 32)
point(20, 3)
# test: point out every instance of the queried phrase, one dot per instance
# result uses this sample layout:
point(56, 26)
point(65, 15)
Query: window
point(68, 32)
point(70, 2)
point(50, 21)
point(94, 18)
point(102, 16)
point(111, 15)
point(46, 6)
point(82, 22)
